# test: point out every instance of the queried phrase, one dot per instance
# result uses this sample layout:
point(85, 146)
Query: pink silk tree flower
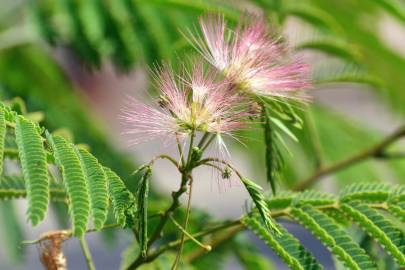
point(195, 103)
point(252, 58)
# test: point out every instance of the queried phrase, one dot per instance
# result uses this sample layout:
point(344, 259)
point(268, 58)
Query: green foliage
point(378, 192)
point(84, 179)
point(359, 203)
point(125, 30)
point(34, 167)
point(14, 187)
point(396, 203)
point(255, 192)
point(142, 209)
point(335, 238)
point(75, 183)
point(391, 238)
point(3, 131)
point(122, 200)
point(286, 246)
point(97, 185)
point(274, 161)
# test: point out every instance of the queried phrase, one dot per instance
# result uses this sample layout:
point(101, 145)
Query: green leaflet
point(97, 185)
point(366, 192)
point(274, 161)
point(334, 237)
point(282, 200)
point(390, 237)
point(314, 198)
point(396, 203)
point(255, 192)
point(397, 210)
point(142, 211)
point(34, 167)
point(287, 247)
point(75, 183)
point(122, 200)
point(3, 130)
point(13, 187)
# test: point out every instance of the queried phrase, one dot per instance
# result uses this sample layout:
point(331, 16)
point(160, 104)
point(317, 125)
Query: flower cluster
point(253, 58)
point(246, 64)
point(187, 105)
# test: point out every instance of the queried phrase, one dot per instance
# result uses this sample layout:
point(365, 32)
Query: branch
point(221, 239)
point(191, 237)
point(156, 253)
point(377, 151)
point(180, 251)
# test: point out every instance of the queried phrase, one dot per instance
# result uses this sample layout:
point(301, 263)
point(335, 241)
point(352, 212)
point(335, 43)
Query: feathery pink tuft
point(252, 58)
point(196, 103)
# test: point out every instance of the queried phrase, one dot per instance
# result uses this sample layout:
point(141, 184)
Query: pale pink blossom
point(252, 57)
point(195, 103)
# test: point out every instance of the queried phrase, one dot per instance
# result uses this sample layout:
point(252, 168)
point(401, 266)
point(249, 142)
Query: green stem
point(203, 139)
point(167, 157)
point(190, 149)
point(87, 254)
point(190, 236)
point(180, 251)
point(175, 204)
point(269, 149)
point(180, 149)
point(152, 256)
point(215, 242)
point(208, 143)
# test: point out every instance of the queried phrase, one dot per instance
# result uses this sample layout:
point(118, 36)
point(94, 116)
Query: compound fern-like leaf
point(2, 137)
point(378, 192)
point(13, 187)
point(314, 198)
point(255, 192)
point(142, 211)
point(122, 200)
point(273, 157)
point(287, 247)
point(396, 203)
point(97, 185)
point(334, 237)
point(34, 167)
point(390, 237)
point(75, 183)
